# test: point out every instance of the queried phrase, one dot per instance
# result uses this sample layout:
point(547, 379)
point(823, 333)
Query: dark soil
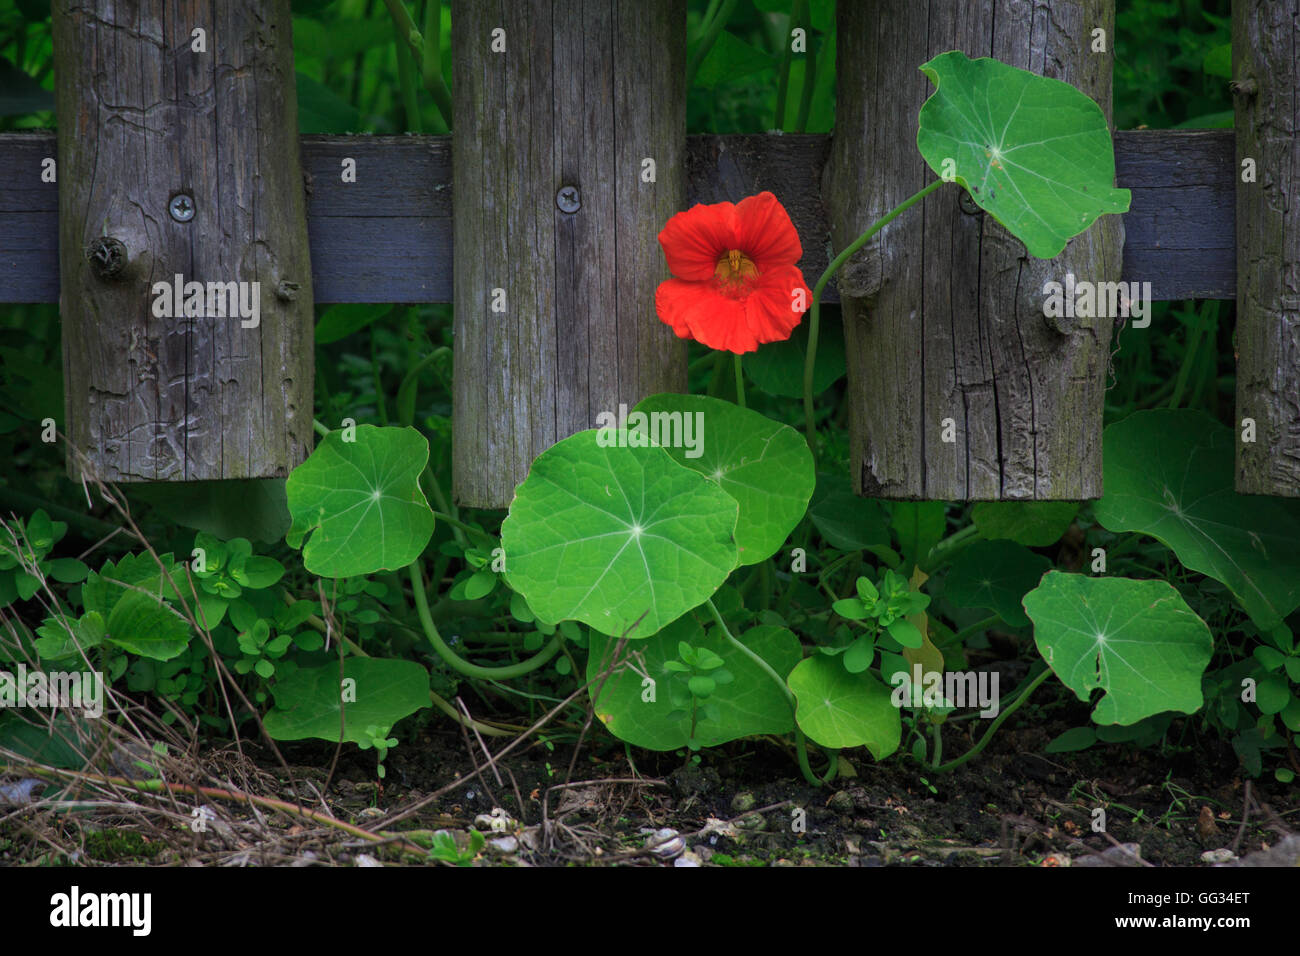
point(1012, 805)
point(744, 804)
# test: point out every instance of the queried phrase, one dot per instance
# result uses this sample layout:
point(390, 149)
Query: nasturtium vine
point(995, 575)
point(1169, 474)
point(1136, 640)
point(1034, 152)
point(373, 692)
point(764, 465)
point(657, 714)
point(839, 709)
point(615, 535)
point(360, 502)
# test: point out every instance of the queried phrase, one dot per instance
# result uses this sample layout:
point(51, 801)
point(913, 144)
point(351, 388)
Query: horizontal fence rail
point(387, 237)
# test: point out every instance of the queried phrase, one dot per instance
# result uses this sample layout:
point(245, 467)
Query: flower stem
point(406, 68)
point(459, 664)
point(801, 745)
point(814, 314)
point(797, 15)
point(1030, 687)
point(809, 77)
point(740, 382)
point(710, 37)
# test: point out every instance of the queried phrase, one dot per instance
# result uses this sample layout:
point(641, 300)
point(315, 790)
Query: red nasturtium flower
point(737, 284)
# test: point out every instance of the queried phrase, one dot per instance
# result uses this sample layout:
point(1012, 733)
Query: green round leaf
point(644, 714)
point(1136, 640)
point(379, 693)
point(1169, 474)
point(258, 572)
point(764, 465)
point(1034, 152)
point(1076, 738)
point(1033, 523)
point(995, 575)
point(845, 520)
point(361, 502)
point(1272, 694)
point(860, 654)
point(839, 709)
point(777, 368)
point(605, 535)
point(253, 508)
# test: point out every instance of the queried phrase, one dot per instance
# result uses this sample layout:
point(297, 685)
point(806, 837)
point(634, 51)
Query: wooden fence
point(551, 259)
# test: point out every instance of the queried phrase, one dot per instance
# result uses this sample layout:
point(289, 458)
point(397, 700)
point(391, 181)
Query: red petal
point(694, 240)
point(696, 310)
point(770, 312)
point(766, 233)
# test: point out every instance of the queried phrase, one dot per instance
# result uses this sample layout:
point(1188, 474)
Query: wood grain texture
point(1266, 67)
point(142, 117)
point(387, 237)
point(943, 311)
point(582, 94)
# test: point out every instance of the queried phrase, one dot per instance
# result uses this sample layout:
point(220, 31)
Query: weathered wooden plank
point(555, 226)
point(387, 237)
point(1265, 37)
point(959, 387)
point(181, 161)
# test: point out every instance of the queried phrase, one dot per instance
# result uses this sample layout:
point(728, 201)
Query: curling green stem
point(801, 745)
point(814, 314)
point(455, 661)
point(710, 37)
point(1030, 687)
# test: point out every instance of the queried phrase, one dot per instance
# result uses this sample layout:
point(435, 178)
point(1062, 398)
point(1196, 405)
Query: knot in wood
point(862, 275)
point(107, 257)
point(286, 291)
point(1246, 87)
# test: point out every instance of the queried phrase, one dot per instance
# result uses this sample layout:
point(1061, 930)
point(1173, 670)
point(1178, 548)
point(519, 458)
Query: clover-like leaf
point(605, 533)
point(361, 502)
point(375, 692)
point(764, 465)
point(996, 575)
point(1034, 152)
point(1169, 474)
point(643, 714)
point(1136, 640)
point(839, 709)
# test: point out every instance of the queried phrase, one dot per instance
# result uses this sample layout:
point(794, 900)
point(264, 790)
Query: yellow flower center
point(735, 268)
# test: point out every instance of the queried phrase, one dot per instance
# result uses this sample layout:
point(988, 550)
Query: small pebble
point(505, 845)
point(743, 802)
point(841, 801)
point(1221, 855)
point(20, 792)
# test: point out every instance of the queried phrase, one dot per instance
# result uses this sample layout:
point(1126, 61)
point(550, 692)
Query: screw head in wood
point(568, 199)
point(181, 207)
